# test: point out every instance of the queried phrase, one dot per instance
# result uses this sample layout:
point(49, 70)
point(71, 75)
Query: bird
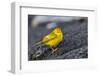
point(53, 39)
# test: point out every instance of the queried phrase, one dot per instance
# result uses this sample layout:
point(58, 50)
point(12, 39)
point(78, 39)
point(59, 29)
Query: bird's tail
point(37, 43)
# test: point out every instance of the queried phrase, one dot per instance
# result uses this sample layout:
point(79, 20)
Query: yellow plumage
point(54, 38)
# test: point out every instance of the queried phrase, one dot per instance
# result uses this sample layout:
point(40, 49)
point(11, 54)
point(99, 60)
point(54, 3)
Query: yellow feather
point(54, 38)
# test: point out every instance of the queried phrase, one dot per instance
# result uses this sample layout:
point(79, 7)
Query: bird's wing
point(49, 37)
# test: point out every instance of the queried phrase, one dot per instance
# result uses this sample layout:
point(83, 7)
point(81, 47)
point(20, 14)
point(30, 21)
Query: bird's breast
point(54, 42)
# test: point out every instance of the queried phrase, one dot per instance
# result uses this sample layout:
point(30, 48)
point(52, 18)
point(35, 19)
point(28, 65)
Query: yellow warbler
point(54, 38)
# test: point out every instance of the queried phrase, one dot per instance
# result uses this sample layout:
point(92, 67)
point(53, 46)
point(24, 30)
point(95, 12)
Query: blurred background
point(74, 44)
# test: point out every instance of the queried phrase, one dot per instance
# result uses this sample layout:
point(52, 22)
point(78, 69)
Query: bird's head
point(57, 31)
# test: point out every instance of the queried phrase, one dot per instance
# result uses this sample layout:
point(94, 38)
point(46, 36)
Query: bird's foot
point(55, 51)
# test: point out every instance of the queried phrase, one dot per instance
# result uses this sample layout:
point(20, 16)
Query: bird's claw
point(54, 51)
